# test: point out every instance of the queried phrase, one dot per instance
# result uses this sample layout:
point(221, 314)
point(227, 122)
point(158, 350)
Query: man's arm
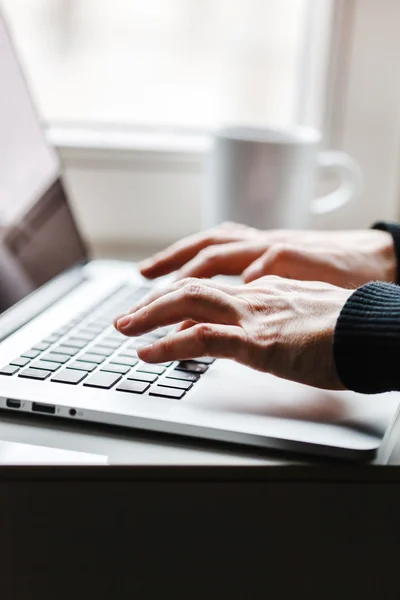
point(367, 334)
point(367, 339)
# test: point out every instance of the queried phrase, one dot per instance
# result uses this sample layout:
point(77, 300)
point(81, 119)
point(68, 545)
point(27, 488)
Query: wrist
point(341, 298)
point(389, 251)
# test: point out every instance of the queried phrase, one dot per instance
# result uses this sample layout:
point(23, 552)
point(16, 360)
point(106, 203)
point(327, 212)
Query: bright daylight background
point(129, 90)
point(187, 63)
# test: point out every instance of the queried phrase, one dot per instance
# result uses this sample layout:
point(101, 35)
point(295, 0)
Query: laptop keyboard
point(88, 351)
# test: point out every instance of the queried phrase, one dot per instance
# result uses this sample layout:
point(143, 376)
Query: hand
point(274, 325)
point(344, 258)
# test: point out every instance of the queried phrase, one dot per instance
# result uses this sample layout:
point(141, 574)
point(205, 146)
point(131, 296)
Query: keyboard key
point(92, 358)
point(149, 377)
point(146, 368)
point(205, 360)
point(20, 362)
point(45, 365)
point(102, 380)
point(102, 350)
point(41, 346)
point(30, 353)
point(100, 320)
point(69, 376)
point(122, 369)
point(110, 343)
point(167, 392)
point(183, 375)
point(8, 370)
point(176, 383)
point(124, 360)
point(142, 341)
point(128, 353)
point(51, 339)
point(115, 334)
point(76, 343)
point(95, 327)
point(191, 367)
point(85, 335)
point(69, 350)
point(58, 358)
point(34, 374)
point(134, 387)
point(63, 330)
point(82, 366)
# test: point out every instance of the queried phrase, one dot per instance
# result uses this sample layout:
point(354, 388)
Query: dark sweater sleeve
point(366, 342)
point(394, 230)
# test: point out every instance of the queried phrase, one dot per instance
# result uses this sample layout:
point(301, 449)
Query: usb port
point(13, 403)
point(43, 408)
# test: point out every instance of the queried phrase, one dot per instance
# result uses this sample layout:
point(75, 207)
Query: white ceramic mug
point(266, 178)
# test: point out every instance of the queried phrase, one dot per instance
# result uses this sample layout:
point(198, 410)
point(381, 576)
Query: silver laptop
point(61, 357)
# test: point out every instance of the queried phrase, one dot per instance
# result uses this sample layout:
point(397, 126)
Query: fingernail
point(122, 323)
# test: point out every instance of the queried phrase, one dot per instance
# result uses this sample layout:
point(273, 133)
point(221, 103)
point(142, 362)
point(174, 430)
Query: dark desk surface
point(184, 519)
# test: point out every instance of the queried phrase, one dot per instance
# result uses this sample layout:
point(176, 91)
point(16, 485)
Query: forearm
point(367, 339)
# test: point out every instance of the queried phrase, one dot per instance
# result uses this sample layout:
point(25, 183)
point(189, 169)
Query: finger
point(205, 339)
point(280, 259)
point(176, 285)
point(186, 325)
point(196, 302)
point(225, 259)
point(181, 252)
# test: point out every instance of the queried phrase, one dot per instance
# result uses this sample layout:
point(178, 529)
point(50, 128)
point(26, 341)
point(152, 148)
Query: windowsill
point(84, 140)
point(133, 189)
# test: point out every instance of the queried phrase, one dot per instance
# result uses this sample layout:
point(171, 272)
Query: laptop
point(61, 357)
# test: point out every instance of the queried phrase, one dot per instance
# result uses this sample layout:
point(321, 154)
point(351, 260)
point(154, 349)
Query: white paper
point(12, 453)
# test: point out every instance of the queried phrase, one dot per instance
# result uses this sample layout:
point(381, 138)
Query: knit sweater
point(366, 343)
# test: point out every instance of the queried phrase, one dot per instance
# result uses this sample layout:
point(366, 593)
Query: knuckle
point(188, 281)
point(277, 256)
point(203, 333)
point(282, 251)
point(193, 289)
point(167, 344)
point(277, 252)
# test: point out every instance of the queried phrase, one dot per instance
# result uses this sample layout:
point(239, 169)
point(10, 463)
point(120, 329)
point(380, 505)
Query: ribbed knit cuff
point(366, 343)
point(394, 230)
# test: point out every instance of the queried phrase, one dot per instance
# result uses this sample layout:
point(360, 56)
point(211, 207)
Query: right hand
point(343, 258)
point(277, 326)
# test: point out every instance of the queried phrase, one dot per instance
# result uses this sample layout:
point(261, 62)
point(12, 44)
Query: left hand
point(279, 326)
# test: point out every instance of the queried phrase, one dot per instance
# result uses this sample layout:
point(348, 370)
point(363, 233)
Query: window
point(188, 63)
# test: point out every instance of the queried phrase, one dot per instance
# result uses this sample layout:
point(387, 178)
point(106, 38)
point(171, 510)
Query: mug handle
point(350, 187)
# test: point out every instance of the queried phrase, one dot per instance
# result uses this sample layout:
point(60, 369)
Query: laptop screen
point(38, 235)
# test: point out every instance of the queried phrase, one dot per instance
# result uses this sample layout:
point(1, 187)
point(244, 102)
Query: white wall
point(142, 196)
point(135, 198)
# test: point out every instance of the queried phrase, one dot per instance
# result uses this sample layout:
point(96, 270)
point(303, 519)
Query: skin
point(282, 319)
point(344, 258)
point(275, 325)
